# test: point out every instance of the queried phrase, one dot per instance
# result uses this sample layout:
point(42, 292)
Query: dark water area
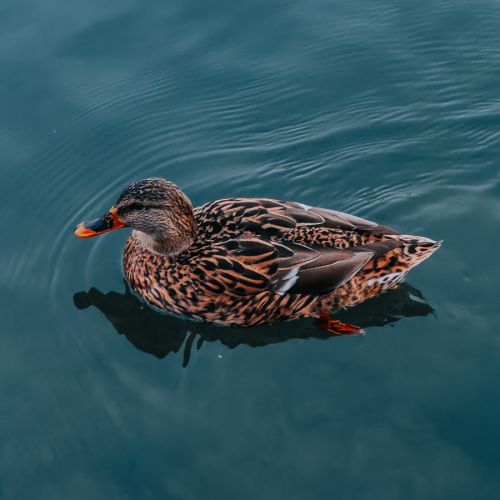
point(389, 110)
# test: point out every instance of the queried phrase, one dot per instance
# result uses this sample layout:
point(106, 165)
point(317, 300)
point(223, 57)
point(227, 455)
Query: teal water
point(387, 109)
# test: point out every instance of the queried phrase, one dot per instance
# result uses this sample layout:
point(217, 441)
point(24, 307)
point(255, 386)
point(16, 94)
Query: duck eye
point(130, 207)
point(136, 206)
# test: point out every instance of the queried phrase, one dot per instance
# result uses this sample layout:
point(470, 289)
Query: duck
point(253, 261)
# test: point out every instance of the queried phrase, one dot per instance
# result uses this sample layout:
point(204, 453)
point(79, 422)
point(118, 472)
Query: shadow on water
point(159, 334)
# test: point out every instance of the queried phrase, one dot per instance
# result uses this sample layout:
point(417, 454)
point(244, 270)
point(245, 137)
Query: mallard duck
point(253, 261)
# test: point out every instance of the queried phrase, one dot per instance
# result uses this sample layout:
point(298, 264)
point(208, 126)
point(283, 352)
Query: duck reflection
point(160, 334)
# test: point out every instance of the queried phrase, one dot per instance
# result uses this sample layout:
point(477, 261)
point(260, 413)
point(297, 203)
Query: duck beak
point(108, 222)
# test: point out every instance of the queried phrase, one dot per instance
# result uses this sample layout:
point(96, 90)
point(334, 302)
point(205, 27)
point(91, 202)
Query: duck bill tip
point(81, 231)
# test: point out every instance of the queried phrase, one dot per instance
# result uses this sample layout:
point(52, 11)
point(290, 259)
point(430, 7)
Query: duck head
point(159, 212)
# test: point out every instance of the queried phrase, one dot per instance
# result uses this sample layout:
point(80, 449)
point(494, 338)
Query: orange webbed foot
point(335, 327)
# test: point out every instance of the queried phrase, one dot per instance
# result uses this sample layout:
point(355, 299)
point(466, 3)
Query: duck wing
point(260, 244)
point(250, 266)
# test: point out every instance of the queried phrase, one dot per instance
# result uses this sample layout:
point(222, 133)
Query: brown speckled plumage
point(243, 261)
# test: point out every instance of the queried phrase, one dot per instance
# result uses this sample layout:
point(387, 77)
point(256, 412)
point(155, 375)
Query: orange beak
point(108, 222)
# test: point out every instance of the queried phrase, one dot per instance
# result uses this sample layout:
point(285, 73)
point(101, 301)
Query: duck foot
point(335, 327)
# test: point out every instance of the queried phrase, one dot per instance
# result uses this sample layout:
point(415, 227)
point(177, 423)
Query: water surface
point(387, 109)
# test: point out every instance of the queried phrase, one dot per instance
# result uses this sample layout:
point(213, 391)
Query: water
point(386, 109)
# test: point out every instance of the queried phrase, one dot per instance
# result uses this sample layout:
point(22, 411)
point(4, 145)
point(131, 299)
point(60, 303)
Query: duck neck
point(168, 243)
